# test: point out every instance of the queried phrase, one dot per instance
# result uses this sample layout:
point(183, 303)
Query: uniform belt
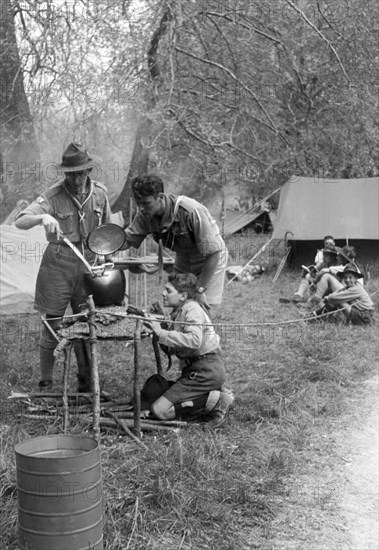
point(191, 360)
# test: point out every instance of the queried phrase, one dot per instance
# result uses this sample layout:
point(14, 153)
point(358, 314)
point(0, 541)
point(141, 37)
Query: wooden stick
point(137, 289)
point(143, 426)
point(94, 367)
point(136, 391)
point(157, 354)
point(172, 423)
point(127, 415)
point(50, 328)
point(282, 264)
point(47, 394)
point(144, 280)
point(38, 416)
point(124, 427)
point(66, 369)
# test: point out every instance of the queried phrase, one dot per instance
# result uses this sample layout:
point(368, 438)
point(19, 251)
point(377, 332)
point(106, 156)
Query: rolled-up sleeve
point(37, 207)
point(206, 233)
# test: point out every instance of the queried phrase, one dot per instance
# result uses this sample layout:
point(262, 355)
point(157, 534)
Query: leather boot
point(218, 415)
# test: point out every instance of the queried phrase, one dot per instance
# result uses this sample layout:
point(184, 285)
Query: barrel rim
point(26, 448)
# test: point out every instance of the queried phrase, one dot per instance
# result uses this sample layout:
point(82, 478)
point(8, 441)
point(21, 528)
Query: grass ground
point(198, 490)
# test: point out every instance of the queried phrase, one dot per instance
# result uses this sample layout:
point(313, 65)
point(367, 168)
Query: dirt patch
point(359, 502)
point(331, 502)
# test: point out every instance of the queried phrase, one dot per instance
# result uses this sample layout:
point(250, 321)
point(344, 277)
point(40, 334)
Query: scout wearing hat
point(72, 208)
point(325, 280)
point(324, 258)
point(353, 300)
point(350, 268)
point(76, 159)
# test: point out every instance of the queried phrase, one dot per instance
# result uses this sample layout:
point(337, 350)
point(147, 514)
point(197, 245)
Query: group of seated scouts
point(334, 285)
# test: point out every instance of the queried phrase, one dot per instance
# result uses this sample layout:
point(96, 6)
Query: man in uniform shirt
point(71, 208)
point(185, 226)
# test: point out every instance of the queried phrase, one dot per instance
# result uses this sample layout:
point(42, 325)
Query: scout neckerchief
point(80, 207)
point(160, 243)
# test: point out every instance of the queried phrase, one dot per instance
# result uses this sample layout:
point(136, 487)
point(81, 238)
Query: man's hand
point(51, 225)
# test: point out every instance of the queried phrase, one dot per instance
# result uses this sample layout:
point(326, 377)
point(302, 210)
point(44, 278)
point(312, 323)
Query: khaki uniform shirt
point(193, 339)
point(355, 296)
point(186, 227)
point(58, 203)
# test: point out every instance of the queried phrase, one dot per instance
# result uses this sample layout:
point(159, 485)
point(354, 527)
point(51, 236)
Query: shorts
point(361, 316)
point(198, 378)
point(215, 286)
point(60, 281)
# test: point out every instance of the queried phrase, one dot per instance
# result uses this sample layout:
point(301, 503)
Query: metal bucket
point(59, 493)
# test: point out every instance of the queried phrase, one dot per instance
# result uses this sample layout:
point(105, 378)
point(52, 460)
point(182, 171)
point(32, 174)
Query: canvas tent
point(258, 215)
point(21, 254)
point(347, 209)
point(235, 221)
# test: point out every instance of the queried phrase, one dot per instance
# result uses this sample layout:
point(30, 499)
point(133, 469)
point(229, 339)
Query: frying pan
point(106, 239)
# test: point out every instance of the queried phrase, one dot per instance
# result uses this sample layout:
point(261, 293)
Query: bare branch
point(302, 14)
point(234, 77)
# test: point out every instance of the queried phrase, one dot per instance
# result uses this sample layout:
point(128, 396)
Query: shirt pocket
point(66, 221)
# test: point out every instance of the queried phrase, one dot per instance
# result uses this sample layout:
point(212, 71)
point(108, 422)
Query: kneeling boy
point(193, 340)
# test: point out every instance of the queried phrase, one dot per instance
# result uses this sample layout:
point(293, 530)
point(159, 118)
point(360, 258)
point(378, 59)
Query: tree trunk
point(140, 157)
point(138, 165)
point(18, 144)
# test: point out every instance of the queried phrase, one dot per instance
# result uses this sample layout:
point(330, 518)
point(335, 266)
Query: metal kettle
point(107, 289)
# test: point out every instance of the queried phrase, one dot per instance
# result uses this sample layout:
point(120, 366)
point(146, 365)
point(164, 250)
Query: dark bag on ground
point(154, 387)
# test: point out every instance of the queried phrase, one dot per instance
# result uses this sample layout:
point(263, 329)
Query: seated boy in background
point(310, 282)
point(194, 341)
point(352, 299)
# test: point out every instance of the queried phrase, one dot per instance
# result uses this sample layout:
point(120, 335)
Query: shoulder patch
point(40, 199)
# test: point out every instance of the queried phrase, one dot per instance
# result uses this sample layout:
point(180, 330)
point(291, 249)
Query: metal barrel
point(59, 493)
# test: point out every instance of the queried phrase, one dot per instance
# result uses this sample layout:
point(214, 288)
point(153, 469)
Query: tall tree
point(18, 144)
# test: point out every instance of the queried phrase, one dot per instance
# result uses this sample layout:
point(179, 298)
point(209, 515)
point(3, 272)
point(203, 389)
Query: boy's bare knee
point(160, 413)
point(155, 410)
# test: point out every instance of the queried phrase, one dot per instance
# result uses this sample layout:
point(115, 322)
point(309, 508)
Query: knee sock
point(47, 360)
point(83, 359)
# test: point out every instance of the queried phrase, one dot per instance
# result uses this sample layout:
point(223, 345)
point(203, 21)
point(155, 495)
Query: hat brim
point(357, 275)
point(89, 164)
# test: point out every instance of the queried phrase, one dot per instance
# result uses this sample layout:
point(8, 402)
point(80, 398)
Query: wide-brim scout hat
point(76, 158)
point(330, 249)
point(350, 268)
point(347, 253)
